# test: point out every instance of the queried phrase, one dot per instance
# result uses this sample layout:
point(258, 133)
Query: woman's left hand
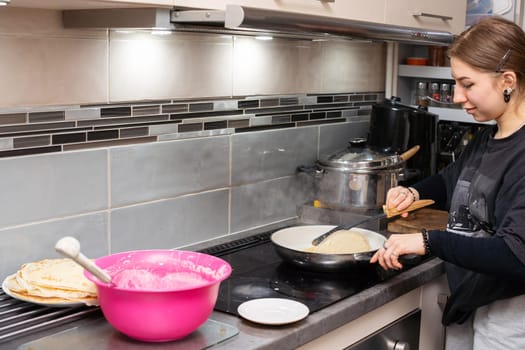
point(396, 245)
point(400, 198)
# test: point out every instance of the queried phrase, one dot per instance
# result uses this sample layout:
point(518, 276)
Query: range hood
point(246, 20)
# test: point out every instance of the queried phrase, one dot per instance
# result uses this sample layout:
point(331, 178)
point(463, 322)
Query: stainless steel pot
point(290, 244)
point(359, 177)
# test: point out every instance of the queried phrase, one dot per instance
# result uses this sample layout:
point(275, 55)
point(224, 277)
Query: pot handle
point(408, 174)
point(409, 153)
point(310, 169)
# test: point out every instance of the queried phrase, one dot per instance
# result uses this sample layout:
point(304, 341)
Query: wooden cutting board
point(430, 219)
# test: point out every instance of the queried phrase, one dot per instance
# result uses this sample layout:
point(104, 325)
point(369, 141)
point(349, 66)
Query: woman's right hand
point(400, 198)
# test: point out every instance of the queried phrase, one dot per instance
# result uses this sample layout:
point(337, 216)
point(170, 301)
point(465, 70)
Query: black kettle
point(389, 126)
point(394, 126)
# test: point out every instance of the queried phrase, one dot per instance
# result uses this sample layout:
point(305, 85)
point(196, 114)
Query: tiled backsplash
point(56, 129)
point(136, 141)
point(192, 186)
point(44, 64)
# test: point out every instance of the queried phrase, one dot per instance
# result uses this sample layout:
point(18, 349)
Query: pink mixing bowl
point(159, 295)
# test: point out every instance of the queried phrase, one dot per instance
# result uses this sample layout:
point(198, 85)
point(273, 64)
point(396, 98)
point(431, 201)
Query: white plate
point(273, 311)
point(65, 303)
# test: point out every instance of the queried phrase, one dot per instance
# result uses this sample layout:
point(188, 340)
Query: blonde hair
point(493, 44)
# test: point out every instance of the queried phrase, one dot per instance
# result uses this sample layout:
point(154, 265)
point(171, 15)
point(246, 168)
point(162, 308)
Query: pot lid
point(358, 157)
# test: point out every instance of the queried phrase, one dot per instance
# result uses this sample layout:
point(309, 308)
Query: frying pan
point(290, 244)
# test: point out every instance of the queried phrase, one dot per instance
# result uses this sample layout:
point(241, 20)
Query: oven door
point(402, 334)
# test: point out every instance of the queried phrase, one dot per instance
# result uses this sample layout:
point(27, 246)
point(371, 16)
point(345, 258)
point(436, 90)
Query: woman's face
point(479, 93)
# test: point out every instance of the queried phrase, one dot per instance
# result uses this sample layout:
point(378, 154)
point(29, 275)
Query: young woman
point(484, 192)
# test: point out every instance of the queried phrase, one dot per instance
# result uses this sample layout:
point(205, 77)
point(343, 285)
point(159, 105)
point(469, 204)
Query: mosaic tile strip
point(135, 132)
point(16, 118)
point(145, 110)
point(43, 117)
point(206, 114)
point(115, 112)
point(32, 141)
point(174, 108)
point(31, 128)
point(62, 128)
point(248, 104)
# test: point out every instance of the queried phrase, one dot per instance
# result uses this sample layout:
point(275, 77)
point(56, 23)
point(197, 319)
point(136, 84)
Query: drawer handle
point(327, 0)
point(442, 300)
point(433, 15)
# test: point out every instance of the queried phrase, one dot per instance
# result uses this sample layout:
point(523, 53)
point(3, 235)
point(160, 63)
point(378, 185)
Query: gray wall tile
point(184, 65)
point(266, 202)
point(168, 169)
point(56, 185)
point(82, 113)
point(163, 129)
point(334, 137)
point(265, 155)
point(34, 242)
point(48, 64)
point(13, 118)
point(6, 143)
point(170, 223)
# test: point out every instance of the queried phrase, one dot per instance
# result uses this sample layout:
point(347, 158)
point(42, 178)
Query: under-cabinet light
point(160, 31)
point(264, 37)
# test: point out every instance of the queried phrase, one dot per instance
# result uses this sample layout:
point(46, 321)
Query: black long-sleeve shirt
point(485, 262)
point(502, 161)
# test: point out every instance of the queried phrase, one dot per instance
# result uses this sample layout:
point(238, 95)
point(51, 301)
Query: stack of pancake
point(52, 281)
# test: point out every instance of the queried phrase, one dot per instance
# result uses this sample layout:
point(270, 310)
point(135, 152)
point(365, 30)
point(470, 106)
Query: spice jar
point(421, 94)
point(445, 93)
point(435, 93)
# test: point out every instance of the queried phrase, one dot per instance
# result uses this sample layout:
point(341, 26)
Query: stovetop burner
point(258, 272)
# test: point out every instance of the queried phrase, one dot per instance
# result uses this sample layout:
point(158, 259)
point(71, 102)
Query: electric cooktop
point(258, 272)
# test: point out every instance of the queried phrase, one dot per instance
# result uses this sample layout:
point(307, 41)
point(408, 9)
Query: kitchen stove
point(19, 318)
point(258, 272)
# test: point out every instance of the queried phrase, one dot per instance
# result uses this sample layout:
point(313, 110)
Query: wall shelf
point(452, 114)
point(412, 72)
point(455, 115)
point(424, 72)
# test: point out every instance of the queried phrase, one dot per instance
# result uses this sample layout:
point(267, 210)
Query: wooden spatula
point(387, 213)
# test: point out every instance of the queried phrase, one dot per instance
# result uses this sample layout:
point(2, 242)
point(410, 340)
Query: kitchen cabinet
point(426, 298)
point(368, 324)
point(447, 15)
point(143, 2)
point(371, 10)
point(89, 4)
